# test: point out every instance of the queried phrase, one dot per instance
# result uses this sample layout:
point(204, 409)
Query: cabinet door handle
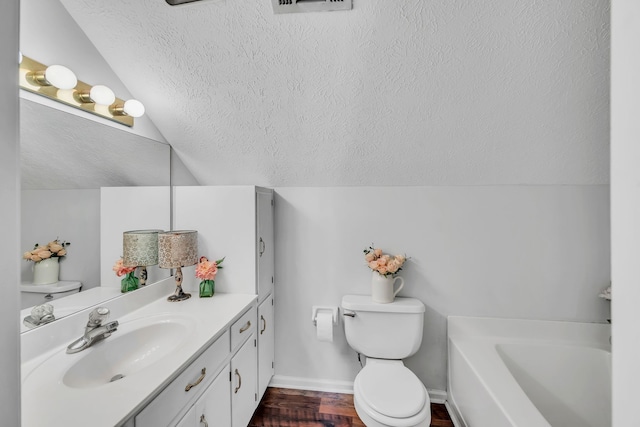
point(239, 382)
point(263, 247)
point(264, 324)
point(245, 327)
point(202, 374)
point(203, 420)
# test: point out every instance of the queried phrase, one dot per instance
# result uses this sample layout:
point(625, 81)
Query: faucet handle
point(98, 315)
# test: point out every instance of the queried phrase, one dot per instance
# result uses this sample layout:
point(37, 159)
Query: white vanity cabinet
point(229, 400)
point(213, 408)
point(236, 222)
point(266, 344)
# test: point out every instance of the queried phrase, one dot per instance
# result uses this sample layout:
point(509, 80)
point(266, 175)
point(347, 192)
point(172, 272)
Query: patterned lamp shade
point(178, 248)
point(140, 248)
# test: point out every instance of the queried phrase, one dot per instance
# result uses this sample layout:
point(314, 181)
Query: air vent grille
point(298, 6)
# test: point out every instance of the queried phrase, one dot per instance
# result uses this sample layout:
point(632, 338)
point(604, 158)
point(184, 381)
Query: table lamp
point(140, 249)
point(177, 249)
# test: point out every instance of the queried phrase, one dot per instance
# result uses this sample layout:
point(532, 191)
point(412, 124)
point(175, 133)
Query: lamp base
point(177, 298)
point(178, 295)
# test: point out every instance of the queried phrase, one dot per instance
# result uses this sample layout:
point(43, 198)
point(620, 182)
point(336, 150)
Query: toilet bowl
point(386, 393)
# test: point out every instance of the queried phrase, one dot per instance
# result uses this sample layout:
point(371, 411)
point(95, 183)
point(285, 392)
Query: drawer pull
point(264, 324)
point(239, 382)
point(245, 327)
point(190, 386)
point(203, 420)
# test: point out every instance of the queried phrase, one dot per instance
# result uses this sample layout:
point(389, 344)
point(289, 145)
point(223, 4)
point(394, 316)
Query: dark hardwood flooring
point(281, 407)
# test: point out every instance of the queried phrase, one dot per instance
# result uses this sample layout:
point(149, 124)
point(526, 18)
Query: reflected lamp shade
point(177, 248)
point(140, 248)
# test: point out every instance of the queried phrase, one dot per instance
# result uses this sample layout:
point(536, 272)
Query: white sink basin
point(135, 346)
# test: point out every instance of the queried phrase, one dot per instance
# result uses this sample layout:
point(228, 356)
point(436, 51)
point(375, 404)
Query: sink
point(135, 346)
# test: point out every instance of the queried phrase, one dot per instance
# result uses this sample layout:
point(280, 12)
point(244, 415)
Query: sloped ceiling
point(404, 92)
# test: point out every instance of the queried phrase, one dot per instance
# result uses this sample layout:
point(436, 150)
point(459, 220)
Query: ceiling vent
point(297, 6)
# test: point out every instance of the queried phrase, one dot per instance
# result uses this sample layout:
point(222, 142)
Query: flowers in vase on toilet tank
point(206, 271)
point(383, 264)
point(129, 282)
point(53, 249)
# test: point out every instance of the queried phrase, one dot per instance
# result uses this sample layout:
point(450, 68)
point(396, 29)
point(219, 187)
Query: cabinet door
point(189, 419)
point(265, 243)
point(243, 383)
point(266, 345)
point(214, 407)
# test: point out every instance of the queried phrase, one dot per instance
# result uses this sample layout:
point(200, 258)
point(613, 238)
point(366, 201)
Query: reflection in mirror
point(65, 160)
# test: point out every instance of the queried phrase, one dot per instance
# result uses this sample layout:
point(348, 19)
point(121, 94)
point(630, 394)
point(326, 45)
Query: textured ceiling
point(405, 92)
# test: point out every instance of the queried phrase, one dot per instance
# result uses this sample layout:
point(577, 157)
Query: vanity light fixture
point(57, 76)
point(131, 107)
point(140, 249)
point(99, 95)
point(177, 249)
point(57, 82)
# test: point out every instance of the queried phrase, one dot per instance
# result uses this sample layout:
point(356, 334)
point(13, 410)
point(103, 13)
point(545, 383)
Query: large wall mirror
point(65, 160)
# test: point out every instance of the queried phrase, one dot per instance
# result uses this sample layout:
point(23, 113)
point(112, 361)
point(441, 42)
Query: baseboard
point(300, 383)
point(437, 396)
point(453, 414)
point(335, 386)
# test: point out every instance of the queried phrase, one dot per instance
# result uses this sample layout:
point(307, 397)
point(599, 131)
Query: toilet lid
point(391, 390)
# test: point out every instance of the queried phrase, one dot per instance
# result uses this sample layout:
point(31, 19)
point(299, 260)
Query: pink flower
point(377, 252)
point(369, 257)
point(206, 270)
point(373, 265)
point(120, 269)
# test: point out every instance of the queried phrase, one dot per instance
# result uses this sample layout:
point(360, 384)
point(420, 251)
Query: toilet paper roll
point(324, 326)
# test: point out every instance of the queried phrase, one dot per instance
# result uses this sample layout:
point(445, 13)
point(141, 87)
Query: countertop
point(46, 400)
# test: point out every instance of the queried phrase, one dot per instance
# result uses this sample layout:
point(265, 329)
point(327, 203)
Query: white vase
point(46, 271)
point(382, 288)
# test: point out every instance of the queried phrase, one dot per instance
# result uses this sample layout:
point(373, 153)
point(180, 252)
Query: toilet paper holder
point(316, 309)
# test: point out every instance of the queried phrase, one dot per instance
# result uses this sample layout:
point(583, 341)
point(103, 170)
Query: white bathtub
point(529, 373)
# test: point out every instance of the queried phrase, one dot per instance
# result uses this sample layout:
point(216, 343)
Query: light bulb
point(102, 95)
point(133, 108)
point(61, 77)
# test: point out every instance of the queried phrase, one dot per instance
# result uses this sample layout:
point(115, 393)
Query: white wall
point(9, 216)
point(625, 208)
point(537, 252)
point(72, 216)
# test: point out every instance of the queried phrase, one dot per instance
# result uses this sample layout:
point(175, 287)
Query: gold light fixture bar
point(31, 79)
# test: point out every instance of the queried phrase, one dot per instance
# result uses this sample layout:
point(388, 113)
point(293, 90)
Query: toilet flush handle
point(349, 313)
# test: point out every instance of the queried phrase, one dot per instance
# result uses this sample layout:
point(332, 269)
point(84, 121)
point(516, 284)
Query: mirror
point(65, 159)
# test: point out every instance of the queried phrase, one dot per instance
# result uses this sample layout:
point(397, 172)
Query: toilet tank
point(383, 331)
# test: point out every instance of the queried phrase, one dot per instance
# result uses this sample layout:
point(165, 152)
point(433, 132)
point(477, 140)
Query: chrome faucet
point(94, 331)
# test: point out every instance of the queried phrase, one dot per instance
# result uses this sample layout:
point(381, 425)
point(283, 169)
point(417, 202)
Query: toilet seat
point(386, 393)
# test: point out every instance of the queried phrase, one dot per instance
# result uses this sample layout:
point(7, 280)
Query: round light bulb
point(102, 95)
point(133, 108)
point(60, 77)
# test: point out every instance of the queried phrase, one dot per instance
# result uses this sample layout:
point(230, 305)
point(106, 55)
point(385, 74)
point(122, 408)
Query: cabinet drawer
point(243, 327)
point(176, 396)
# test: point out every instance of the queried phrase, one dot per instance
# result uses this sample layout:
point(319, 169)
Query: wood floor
point(281, 407)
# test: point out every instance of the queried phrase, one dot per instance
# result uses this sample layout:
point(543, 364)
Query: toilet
point(385, 392)
point(32, 295)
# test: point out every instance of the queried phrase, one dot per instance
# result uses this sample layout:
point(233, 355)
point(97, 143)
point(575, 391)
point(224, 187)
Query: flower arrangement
point(383, 264)
point(53, 249)
point(129, 282)
point(206, 271)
